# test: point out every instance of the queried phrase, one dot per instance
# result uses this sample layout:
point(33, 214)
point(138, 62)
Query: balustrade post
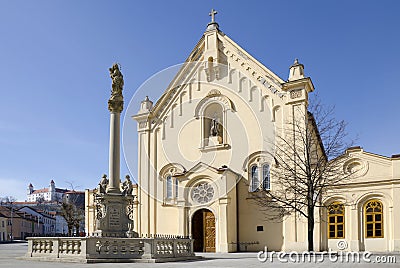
point(148, 248)
point(175, 249)
point(56, 247)
point(30, 247)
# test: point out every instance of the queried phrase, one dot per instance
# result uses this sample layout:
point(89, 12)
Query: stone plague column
point(114, 207)
point(115, 106)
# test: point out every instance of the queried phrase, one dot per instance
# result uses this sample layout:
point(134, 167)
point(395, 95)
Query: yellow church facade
point(208, 143)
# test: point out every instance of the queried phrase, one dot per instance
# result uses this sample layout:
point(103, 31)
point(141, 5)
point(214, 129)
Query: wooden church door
point(203, 231)
point(209, 231)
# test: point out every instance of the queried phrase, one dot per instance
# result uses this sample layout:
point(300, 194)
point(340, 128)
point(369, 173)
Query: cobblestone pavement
point(10, 254)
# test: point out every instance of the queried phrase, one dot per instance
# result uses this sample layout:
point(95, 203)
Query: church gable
point(219, 60)
point(222, 102)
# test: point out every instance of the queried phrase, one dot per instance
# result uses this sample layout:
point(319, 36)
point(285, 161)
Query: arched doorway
point(203, 231)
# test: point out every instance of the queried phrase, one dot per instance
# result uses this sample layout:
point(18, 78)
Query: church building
point(208, 143)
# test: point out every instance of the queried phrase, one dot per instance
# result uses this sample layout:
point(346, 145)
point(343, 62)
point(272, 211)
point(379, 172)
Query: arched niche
point(212, 112)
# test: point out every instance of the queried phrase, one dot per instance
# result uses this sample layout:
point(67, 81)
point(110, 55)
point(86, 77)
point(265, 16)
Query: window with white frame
point(169, 175)
point(259, 177)
point(254, 179)
point(266, 183)
point(171, 188)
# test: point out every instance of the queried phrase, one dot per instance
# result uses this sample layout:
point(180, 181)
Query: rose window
point(203, 193)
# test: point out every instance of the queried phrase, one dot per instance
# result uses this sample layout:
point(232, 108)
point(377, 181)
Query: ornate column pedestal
point(114, 216)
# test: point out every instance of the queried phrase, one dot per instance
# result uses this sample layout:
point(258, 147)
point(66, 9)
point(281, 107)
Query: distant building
point(18, 224)
point(45, 194)
point(3, 228)
point(47, 218)
point(51, 207)
point(49, 201)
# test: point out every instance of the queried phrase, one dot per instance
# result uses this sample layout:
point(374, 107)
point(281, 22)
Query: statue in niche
point(117, 82)
point(101, 188)
point(214, 129)
point(127, 186)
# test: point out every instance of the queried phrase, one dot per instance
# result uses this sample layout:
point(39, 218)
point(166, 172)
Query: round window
point(203, 193)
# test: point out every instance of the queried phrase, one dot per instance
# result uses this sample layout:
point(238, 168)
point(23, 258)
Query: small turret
point(145, 105)
point(52, 186)
point(296, 71)
point(30, 188)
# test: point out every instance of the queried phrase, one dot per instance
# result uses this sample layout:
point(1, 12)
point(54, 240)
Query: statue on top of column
point(116, 103)
point(117, 81)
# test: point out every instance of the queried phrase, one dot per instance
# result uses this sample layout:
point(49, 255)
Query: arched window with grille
point(254, 179)
point(265, 177)
point(373, 211)
point(336, 220)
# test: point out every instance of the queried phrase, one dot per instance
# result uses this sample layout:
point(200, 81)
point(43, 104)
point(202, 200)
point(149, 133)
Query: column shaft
point(114, 154)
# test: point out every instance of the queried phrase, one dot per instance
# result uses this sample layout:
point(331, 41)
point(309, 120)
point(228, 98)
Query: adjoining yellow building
point(368, 204)
point(206, 145)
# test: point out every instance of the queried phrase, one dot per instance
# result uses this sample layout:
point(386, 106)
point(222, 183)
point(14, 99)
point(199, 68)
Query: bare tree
point(73, 216)
point(309, 158)
point(72, 209)
point(7, 200)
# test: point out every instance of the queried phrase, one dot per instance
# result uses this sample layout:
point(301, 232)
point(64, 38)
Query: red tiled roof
point(44, 190)
point(33, 202)
point(75, 192)
point(23, 203)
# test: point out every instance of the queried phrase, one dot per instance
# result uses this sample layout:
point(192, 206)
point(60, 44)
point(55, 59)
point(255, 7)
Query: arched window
point(336, 220)
point(373, 219)
point(254, 179)
point(169, 187)
point(265, 177)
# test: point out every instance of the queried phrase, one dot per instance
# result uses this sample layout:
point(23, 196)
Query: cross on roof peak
point(212, 14)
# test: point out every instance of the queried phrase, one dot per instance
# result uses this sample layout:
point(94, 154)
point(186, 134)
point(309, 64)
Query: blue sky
point(55, 84)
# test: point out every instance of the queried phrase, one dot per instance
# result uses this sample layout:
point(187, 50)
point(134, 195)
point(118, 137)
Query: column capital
point(115, 105)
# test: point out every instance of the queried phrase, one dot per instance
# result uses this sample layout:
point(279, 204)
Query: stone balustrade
point(105, 249)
